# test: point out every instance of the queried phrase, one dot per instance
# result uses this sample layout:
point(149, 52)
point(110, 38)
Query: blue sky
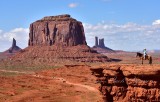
point(125, 24)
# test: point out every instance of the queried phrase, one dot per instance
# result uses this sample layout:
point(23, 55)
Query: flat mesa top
point(64, 17)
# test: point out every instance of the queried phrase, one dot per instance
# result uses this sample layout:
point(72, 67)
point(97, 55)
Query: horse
point(147, 57)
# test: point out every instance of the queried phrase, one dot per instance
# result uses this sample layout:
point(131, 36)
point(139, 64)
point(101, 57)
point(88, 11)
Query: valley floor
point(70, 83)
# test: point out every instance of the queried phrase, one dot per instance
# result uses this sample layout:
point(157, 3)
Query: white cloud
point(73, 5)
point(20, 34)
point(129, 36)
point(156, 22)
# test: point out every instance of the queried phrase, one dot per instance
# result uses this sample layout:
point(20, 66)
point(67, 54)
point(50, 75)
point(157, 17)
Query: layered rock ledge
point(129, 83)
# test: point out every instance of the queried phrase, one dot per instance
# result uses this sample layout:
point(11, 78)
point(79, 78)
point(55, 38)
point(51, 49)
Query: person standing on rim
point(144, 53)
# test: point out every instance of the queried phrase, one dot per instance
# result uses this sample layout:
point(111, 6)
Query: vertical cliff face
point(101, 43)
point(14, 43)
point(57, 30)
point(96, 41)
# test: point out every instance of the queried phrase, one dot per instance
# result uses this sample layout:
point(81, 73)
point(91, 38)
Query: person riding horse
point(144, 54)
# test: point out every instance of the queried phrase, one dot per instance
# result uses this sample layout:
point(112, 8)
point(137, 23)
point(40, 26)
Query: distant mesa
point(61, 30)
point(100, 46)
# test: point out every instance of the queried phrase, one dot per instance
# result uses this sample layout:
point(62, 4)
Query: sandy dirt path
point(54, 78)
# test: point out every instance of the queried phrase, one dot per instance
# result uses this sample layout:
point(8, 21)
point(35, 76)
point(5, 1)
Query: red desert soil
point(77, 83)
point(67, 84)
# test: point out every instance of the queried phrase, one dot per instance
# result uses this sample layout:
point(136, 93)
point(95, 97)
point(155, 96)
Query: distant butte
point(14, 48)
point(100, 46)
point(11, 51)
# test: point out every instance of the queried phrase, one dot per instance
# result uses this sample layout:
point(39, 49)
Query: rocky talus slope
point(51, 55)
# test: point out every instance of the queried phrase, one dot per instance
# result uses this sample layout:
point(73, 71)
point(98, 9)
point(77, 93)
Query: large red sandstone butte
point(57, 39)
point(57, 30)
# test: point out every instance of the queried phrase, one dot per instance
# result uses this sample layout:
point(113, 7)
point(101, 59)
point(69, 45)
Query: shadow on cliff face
point(148, 77)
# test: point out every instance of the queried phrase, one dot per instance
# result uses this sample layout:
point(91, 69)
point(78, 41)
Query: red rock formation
point(101, 43)
point(100, 46)
point(11, 51)
point(14, 43)
point(63, 41)
point(60, 55)
point(129, 83)
point(96, 41)
point(57, 30)
point(14, 48)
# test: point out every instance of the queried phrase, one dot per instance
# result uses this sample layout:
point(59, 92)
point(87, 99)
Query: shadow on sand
point(115, 60)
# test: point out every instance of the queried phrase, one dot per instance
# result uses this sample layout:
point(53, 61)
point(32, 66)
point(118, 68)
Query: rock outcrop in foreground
point(129, 83)
point(57, 30)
